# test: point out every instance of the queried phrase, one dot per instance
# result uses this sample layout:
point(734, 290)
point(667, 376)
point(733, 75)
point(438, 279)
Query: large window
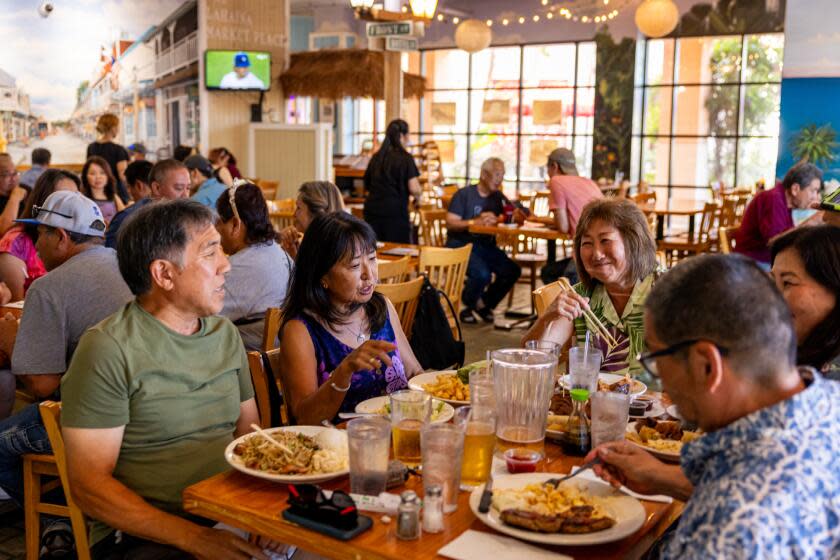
point(706, 113)
point(517, 103)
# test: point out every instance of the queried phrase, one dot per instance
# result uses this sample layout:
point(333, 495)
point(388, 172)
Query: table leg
point(660, 227)
point(691, 227)
point(551, 248)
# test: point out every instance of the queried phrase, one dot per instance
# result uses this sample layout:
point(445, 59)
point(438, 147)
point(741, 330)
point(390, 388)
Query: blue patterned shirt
point(767, 485)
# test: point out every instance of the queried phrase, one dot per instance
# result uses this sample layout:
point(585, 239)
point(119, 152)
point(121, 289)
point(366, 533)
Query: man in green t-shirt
point(155, 392)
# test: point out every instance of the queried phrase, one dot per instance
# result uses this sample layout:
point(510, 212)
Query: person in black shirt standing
point(107, 126)
point(390, 177)
point(483, 204)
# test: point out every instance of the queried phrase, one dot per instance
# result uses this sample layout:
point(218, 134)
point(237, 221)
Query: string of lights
point(582, 11)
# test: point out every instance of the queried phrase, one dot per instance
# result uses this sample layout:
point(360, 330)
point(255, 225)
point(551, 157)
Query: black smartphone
point(363, 524)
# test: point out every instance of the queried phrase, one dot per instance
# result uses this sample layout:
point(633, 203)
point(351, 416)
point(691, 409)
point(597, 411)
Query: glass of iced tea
point(479, 426)
point(410, 410)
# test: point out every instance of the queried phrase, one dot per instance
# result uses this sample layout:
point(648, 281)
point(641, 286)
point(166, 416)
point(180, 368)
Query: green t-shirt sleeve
point(94, 391)
point(246, 388)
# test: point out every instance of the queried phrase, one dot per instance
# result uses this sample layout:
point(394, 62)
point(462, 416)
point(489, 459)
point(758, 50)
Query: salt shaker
point(433, 509)
point(408, 517)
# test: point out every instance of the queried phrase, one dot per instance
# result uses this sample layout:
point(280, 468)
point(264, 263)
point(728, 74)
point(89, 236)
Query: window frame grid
point(741, 86)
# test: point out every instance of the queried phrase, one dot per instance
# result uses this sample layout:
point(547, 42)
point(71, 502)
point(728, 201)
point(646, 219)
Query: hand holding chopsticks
point(600, 329)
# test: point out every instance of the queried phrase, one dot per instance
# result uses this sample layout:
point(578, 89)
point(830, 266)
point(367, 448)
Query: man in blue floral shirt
point(763, 481)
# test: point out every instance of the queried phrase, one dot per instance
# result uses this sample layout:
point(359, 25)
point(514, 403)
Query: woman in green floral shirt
point(616, 260)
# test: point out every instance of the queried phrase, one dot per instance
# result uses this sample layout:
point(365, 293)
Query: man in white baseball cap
point(83, 285)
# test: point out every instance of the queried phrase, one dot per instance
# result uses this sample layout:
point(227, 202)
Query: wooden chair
point(405, 297)
point(644, 199)
point(446, 270)
point(524, 253)
point(271, 327)
point(726, 238)
point(268, 388)
point(54, 466)
point(392, 272)
point(539, 208)
point(269, 188)
point(544, 295)
point(678, 247)
point(433, 227)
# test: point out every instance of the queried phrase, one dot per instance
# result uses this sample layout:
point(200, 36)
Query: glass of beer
point(479, 426)
point(410, 410)
point(524, 384)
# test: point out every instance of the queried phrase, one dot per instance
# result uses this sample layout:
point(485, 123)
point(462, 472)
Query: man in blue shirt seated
point(762, 481)
point(482, 204)
point(206, 187)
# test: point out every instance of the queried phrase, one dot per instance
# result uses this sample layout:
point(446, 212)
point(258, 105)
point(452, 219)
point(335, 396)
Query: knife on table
point(486, 496)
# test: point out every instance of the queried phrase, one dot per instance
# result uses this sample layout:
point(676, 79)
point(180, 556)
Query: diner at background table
point(315, 198)
point(616, 258)
point(341, 341)
point(260, 271)
point(491, 274)
point(137, 179)
point(756, 482)
point(99, 185)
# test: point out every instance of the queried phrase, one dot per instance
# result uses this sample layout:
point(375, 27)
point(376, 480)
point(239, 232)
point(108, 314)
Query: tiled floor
point(479, 338)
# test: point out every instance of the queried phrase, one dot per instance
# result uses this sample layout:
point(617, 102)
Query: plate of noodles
point(295, 454)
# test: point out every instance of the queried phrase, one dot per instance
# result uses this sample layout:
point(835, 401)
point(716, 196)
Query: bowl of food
point(291, 454)
point(444, 385)
point(441, 411)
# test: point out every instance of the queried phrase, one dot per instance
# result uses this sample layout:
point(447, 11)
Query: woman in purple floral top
point(341, 342)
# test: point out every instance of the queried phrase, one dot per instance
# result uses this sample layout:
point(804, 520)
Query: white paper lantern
point(657, 18)
point(473, 36)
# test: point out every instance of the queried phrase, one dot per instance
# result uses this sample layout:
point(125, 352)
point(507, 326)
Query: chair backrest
point(269, 188)
point(268, 388)
point(391, 272)
point(540, 203)
point(404, 296)
point(644, 199)
point(707, 220)
point(446, 269)
point(51, 416)
point(433, 227)
point(271, 327)
point(726, 238)
point(741, 206)
point(544, 295)
point(727, 212)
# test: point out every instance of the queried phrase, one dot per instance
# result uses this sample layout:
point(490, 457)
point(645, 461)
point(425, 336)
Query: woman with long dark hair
point(806, 267)
point(100, 185)
point(341, 342)
point(19, 261)
point(259, 269)
point(390, 177)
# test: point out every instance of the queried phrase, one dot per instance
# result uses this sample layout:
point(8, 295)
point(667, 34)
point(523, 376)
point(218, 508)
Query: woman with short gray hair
point(615, 256)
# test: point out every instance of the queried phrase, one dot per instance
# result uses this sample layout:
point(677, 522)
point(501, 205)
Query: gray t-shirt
point(258, 279)
point(61, 305)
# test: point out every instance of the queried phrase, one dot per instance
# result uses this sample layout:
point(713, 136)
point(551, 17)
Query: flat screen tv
point(237, 70)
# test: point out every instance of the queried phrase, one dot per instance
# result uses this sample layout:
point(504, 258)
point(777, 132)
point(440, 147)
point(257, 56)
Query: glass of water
point(443, 448)
point(610, 414)
point(369, 441)
point(584, 365)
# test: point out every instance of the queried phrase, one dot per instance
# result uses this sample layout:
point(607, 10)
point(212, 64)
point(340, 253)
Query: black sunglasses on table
point(339, 510)
point(648, 359)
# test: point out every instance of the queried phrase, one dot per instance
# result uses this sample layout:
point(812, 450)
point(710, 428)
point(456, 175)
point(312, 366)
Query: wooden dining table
point(255, 505)
point(392, 251)
point(533, 230)
point(681, 208)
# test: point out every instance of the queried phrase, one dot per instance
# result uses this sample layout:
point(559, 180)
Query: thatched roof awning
point(338, 73)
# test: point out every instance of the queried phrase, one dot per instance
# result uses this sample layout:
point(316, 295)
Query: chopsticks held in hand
point(599, 326)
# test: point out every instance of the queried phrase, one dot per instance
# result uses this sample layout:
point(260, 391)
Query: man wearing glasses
point(761, 482)
point(82, 286)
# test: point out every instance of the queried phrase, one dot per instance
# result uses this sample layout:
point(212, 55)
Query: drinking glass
point(524, 384)
point(548, 347)
point(369, 441)
point(479, 426)
point(482, 392)
point(584, 364)
point(410, 410)
point(442, 448)
point(610, 414)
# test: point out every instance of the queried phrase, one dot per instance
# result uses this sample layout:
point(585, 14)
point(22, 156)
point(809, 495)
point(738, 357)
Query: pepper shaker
point(408, 517)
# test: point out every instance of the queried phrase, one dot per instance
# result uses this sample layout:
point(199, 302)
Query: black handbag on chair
point(431, 338)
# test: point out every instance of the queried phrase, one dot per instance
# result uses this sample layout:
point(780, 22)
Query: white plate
point(627, 511)
point(664, 455)
point(310, 431)
point(374, 405)
point(429, 377)
point(610, 378)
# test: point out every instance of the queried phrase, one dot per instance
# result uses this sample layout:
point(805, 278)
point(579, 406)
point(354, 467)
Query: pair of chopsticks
point(599, 326)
